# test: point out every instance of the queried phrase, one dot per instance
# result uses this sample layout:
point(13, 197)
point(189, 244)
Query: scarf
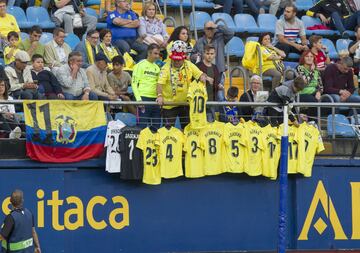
point(90, 53)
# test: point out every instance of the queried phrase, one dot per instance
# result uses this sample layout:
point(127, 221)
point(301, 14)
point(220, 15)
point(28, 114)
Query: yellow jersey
point(194, 156)
point(8, 24)
point(310, 144)
point(170, 142)
point(293, 148)
point(271, 155)
point(12, 58)
point(211, 142)
point(197, 98)
point(235, 147)
point(254, 148)
point(147, 143)
point(175, 82)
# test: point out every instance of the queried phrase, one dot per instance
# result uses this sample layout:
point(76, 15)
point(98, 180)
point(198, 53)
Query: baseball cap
point(101, 57)
point(22, 56)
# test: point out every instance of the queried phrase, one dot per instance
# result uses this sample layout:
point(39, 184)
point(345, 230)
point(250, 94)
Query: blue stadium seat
point(353, 121)
point(252, 38)
point(24, 36)
point(342, 45)
point(201, 18)
point(20, 17)
point(72, 40)
point(304, 5)
point(92, 2)
point(235, 47)
point(290, 64)
point(127, 118)
point(46, 38)
point(227, 18)
point(247, 23)
point(40, 17)
point(310, 21)
point(293, 56)
point(330, 46)
point(92, 12)
point(203, 4)
point(342, 128)
point(2, 63)
point(267, 22)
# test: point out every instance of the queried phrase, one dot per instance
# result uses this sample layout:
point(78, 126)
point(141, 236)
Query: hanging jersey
point(170, 142)
point(255, 147)
point(194, 156)
point(131, 156)
point(211, 142)
point(146, 143)
point(293, 148)
point(310, 144)
point(113, 158)
point(271, 155)
point(197, 98)
point(234, 147)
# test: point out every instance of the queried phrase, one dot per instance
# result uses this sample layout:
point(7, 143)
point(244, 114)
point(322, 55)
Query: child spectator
point(12, 48)
point(232, 113)
point(320, 51)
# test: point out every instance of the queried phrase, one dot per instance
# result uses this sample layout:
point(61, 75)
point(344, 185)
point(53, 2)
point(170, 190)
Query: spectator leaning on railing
point(32, 45)
point(49, 86)
point(174, 81)
point(288, 29)
point(339, 82)
point(123, 24)
point(89, 48)
point(73, 79)
point(57, 51)
point(21, 82)
point(7, 24)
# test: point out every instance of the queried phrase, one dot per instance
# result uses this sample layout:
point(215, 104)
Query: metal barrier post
point(194, 18)
point(258, 49)
point(243, 71)
point(182, 12)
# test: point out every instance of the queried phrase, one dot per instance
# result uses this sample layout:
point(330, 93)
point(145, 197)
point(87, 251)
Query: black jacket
point(247, 112)
point(48, 80)
point(327, 7)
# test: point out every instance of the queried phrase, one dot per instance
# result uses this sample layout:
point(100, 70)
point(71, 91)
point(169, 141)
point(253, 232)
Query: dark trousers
point(169, 115)
point(27, 94)
point(253, 5)
point(342, 24)
point(310, 111)
point(127, 44)
point(150, 115)
point(287, 48)
point(7, 125)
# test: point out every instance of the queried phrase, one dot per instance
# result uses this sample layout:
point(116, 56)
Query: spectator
point(89, 48)
point(8, 122)
point(144, 81)
point(32, 45)
point(218, 36)
point(272, 60)
point(49, 86)
point(354, 46)
point(12, 48)
point(7, 24)
point(97, 76)
point(320, 52)
point(57, 51)
point(284, 94)
point(120, 80)
point(106, 47)
point(314, 88)
point(123, 24)
point(3, 75)
point(152, 29)
point(173, 84)
point(339, 82)
point(232, 113)
point(21, 83)
point(180, 33)
point(287, 30)
point(249, 96)
point(213, 86)
point(68, 12)
point(255, 6)
point(336, 14)
point(73, 79)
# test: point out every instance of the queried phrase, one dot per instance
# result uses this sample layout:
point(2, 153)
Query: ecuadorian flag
point(64, 131)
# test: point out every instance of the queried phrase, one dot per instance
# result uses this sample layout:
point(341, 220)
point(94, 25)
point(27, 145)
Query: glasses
point(209, 28)
point(95, 38)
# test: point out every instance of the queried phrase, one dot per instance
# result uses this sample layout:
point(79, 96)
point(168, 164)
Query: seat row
point(246, 23)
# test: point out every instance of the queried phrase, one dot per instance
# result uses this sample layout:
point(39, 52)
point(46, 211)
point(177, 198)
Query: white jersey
point(113, 157)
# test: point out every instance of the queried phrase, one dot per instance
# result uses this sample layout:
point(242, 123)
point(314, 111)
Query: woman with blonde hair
point(152, 29)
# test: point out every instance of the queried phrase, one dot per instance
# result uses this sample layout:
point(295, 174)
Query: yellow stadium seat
point(236, 82)
point(170, 29)
point(137, 7)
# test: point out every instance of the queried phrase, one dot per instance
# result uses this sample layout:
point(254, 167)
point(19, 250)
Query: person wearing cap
point(73, 79)
point(20, 79)
point(173, 83)
point(97, 76)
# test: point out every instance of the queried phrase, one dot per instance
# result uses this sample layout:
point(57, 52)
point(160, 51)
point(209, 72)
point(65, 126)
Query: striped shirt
point(291, 31)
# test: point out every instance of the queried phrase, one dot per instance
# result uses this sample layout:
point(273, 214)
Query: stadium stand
point(267, 22)
point(201, 18)
point(220, 18)
point(20, 16)
point(342, 126)
point(72, 40)
point(39, 16)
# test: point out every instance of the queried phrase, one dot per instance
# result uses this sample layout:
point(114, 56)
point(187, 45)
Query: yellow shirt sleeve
point(164, 75)
point(196, 72)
